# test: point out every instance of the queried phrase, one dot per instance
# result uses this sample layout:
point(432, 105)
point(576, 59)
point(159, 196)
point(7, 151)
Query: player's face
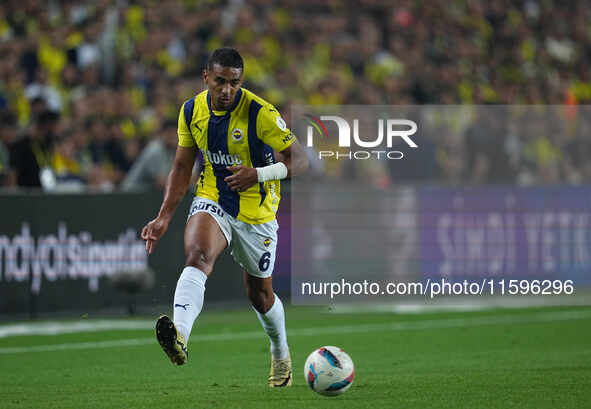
point(223, 84)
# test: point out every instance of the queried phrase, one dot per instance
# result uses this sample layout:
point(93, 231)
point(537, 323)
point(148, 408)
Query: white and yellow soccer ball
point(329, 371)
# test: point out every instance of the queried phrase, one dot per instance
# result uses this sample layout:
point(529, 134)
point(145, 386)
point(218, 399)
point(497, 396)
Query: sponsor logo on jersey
point(237, 135)
point(269, 158)
point(209, 207)
point(280, 123)
point(288, 138)
point(269, 161)
point(219, 158)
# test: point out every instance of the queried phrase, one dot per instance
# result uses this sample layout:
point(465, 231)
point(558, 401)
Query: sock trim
point(194, 275)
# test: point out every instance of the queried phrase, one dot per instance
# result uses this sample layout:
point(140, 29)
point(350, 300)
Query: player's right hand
point(152, 232)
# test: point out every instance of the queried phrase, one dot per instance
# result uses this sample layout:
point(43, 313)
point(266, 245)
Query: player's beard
point(224, 105)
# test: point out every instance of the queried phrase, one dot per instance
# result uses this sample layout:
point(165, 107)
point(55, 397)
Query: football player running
point(235, 203)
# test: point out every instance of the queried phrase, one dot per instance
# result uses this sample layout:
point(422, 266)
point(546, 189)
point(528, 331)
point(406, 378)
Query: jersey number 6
point(265, 261)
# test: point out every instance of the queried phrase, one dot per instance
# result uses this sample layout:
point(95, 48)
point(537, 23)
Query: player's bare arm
point(178, 182)
point(293, 157)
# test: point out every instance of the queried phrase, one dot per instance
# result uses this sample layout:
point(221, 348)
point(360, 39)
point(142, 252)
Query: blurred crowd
point(90, 90)
point(498, 144)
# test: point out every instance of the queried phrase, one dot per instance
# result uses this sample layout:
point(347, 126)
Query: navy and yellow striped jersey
point(245, 135)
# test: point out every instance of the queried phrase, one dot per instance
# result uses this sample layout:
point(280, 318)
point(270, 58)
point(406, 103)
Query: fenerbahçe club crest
point(237, 135)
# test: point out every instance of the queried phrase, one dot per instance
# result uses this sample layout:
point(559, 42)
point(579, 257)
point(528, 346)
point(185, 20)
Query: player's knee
point(201, 259)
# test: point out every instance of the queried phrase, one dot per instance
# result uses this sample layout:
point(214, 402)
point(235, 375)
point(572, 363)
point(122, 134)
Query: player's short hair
point(226, 57)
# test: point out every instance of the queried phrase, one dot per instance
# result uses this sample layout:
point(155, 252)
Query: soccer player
point(235, 203)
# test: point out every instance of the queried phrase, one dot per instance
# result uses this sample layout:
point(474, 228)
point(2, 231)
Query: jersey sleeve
point(272, 130)
point(185, 137)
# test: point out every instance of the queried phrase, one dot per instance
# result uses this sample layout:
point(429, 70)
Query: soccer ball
point(329, 371)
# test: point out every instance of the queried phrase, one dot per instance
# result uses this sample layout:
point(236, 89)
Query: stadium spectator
point(151, 168)
point(487, 160)
point(65, 164)
point(30, 156)
point(126, 64)
point(8, 134)
point(108, 158)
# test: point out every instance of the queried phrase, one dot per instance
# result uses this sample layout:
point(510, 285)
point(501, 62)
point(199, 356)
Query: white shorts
point(253, 245)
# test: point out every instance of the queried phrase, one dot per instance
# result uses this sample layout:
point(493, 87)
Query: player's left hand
point(242, 179)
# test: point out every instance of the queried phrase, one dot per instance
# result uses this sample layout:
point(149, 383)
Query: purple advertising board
point(497, 232)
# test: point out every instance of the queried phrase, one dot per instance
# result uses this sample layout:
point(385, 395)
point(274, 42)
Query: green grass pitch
point(522, 358)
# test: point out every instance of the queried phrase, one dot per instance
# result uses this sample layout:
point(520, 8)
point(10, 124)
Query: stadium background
point(97, 87)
